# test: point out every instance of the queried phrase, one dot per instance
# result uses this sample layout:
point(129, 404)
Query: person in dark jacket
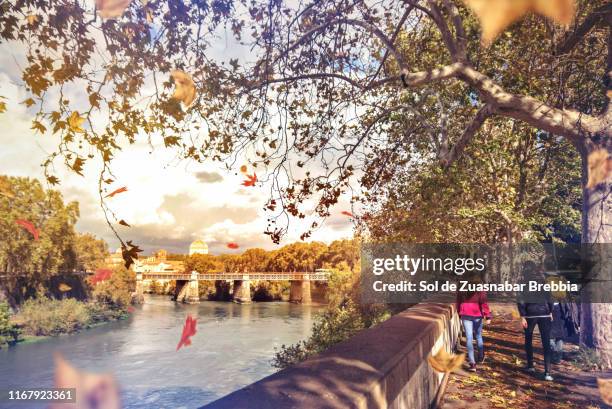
point(564, 324)
point(540, 314)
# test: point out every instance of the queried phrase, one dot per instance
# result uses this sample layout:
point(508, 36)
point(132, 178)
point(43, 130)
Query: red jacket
point(474, 305)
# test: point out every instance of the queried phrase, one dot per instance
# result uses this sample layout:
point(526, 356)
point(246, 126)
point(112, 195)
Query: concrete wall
point(382, 367)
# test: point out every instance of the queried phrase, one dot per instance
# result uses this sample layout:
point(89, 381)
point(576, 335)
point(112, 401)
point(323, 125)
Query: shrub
point(9, 331)
point(44, 316)
point(116, 292)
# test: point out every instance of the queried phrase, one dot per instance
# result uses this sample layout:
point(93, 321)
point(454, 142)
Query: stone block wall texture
point(381, 367)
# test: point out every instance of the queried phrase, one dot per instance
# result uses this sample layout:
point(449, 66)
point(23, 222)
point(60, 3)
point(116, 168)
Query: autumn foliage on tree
point(335, 97)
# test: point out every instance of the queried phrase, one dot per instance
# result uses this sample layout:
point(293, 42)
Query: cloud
point(209, 177)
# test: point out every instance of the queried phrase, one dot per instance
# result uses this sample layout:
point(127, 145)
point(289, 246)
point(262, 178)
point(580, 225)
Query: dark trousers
point(544, 326)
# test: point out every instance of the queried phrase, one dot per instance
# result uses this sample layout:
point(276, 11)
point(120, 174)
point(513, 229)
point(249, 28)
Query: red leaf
point(100, 275)
point(29, 226)
point(349, 214)
point(131, 309)
point(232, 245)
point(117, 191)
point(250, 180)
point(189, 330)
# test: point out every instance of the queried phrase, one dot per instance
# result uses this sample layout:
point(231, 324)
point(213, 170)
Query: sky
point(169, 203)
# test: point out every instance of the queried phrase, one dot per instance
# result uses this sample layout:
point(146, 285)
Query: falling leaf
point(124, 223)
point(32, 19)
point(75, 121)
point(605, 390)
point(184, 87)
point(349, 214)
point(92, 390)
point(600, 167)
point(232, 245)
point(250, 180)
point(189, 330)
point(100, 275)
point(243, 169)
point(129, 252)
point(111, 8)
point(496, 15)
point(64, 287)
point(117, 191)
point(29, 226)
point(445, 362)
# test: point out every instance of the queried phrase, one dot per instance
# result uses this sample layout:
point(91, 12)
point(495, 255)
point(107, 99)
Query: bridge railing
point(269, 276)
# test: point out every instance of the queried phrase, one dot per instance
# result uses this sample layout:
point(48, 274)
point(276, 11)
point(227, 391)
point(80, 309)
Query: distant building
point(198, 247)
point(158, 263)
point(115, 259)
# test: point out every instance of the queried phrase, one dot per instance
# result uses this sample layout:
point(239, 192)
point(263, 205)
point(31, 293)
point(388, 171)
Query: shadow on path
point(502, 383)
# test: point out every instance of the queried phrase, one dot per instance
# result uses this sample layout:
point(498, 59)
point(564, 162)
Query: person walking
point(473, 309)
point(537, 313)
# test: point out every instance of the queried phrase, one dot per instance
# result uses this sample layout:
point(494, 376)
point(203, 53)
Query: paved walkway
point(500, 382)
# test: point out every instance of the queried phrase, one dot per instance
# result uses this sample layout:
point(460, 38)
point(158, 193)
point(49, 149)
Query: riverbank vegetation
point(42, 292)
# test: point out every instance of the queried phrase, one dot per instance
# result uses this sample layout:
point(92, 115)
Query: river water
point(232, 348)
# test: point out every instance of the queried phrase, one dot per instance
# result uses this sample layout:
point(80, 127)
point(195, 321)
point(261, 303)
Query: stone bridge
point(187, 284)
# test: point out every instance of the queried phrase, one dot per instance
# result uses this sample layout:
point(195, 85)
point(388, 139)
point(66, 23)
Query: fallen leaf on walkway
point(496, 15)
point(184, 87)
point(117, 191)
point(93, 391)
point(189, 330)
point(29, 226)
point(600, 167)
point(605, 390)
point(232, 245)
point(111, 8)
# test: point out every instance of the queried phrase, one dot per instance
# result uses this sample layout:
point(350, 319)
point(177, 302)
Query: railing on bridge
point(268, 276)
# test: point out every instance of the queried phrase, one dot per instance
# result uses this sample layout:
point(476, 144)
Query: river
point(232, 348)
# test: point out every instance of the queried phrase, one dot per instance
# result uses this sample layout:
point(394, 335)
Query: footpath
point(500, 381)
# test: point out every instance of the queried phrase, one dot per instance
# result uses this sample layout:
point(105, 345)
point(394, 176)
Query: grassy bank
point(44, 317)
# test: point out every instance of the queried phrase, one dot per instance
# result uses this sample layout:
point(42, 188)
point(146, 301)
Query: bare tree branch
point(598, 15)
point(447, 158)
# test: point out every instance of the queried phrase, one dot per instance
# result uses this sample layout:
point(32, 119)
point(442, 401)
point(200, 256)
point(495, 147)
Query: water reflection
point(232, 348)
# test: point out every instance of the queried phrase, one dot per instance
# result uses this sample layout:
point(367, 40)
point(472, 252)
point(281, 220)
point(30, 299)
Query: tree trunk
point(596, 318)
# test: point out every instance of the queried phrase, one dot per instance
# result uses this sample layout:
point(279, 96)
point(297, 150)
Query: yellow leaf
point(445, 362)
point(496, 15)
point(31, 19)
point(184, 87)
point(111, 8)
point(605, 390)
point(600, 167)
point(64, 287)
point(75, 121)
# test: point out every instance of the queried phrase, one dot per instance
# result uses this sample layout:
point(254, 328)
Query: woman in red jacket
point(472, 308)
